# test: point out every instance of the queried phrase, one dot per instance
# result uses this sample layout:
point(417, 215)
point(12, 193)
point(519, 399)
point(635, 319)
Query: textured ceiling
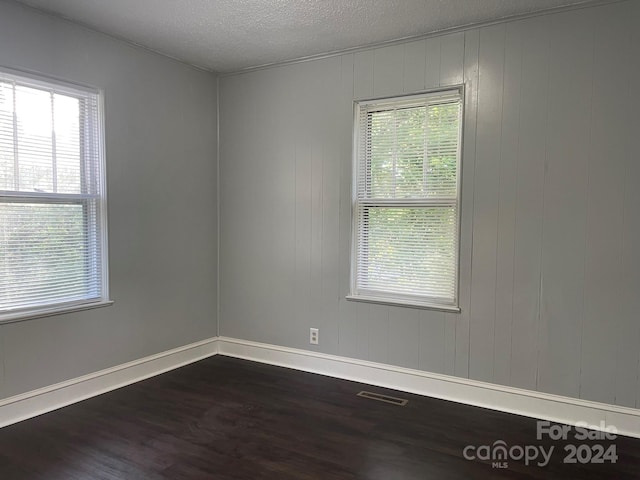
point(229, 35)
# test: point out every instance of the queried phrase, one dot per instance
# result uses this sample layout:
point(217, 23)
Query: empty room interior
point(319, 239)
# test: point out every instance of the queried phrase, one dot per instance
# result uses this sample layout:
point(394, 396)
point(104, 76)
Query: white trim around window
point(53, 204)
point(406, 200)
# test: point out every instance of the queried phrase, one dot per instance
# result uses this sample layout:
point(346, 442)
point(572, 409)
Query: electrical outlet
point(314, 336)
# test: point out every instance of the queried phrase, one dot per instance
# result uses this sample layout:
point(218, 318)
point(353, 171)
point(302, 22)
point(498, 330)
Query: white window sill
point(403, 303)
point(51, 311)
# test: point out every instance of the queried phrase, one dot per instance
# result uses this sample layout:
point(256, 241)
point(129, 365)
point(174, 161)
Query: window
point(52, 197)
point(406, 200)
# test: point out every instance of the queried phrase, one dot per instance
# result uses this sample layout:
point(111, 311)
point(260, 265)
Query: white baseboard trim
point(31, 404)
point(528, 403)
point(544, 406)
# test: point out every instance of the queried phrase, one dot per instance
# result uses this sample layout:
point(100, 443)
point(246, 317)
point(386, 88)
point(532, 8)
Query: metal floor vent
point(384, 398)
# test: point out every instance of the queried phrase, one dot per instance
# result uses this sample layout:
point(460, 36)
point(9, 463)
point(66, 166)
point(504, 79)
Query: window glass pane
point(44, 254)
point(410, 251)
point(413, 151)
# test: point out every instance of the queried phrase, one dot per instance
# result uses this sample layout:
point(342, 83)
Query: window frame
point(82, 92)
point(390, 298)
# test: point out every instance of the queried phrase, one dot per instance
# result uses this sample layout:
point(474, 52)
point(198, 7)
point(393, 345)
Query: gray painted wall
point(550, 270)
point(161, 162)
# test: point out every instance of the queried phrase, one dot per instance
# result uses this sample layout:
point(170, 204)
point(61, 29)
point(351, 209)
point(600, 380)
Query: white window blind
point(406, 205)
point(52, 211)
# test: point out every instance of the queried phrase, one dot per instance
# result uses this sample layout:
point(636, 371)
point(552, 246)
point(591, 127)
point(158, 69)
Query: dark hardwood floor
point(224, 418)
